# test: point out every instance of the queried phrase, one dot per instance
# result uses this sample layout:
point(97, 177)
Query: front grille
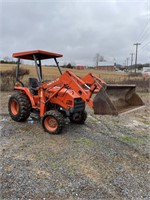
point(79, 105)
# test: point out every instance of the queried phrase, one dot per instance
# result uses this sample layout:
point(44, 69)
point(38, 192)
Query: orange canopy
point(40, 55)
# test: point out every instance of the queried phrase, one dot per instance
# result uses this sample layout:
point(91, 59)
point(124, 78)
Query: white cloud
point(77, 29)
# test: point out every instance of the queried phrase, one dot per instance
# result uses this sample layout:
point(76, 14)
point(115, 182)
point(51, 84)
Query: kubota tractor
point(66, 96)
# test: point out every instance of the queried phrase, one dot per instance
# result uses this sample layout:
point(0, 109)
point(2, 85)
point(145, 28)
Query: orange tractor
point(66, 96)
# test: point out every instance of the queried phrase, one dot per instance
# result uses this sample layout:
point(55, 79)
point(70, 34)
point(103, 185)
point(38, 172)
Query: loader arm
point(84, 90)
point(70, 80)
point(90, 79)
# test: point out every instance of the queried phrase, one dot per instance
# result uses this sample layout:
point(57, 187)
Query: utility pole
point(136, 54)
point(127, 63)
point(131, 60)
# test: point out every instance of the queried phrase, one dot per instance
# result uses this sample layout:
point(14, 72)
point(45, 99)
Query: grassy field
point(50, 73)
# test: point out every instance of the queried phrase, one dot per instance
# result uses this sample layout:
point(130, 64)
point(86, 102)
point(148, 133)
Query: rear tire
point(53, 122)
point(78, 118)
point(19, 107)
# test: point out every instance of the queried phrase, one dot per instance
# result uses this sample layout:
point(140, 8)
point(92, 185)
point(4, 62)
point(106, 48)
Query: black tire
point(19, 107)
point(53, 122)
point(78, 118)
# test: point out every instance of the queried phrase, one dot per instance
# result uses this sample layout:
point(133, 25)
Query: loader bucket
point(116, 99)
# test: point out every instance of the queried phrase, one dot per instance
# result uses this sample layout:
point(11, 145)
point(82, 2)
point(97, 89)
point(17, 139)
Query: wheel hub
point(14, 107)
point(51, 123)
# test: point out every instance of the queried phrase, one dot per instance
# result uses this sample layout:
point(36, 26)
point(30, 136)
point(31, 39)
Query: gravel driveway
point(106, 158)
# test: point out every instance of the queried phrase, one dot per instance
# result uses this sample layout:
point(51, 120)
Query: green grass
point(129, 139)
point(147, 122)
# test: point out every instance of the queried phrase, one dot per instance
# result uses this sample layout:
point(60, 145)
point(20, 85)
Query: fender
point(27, 92)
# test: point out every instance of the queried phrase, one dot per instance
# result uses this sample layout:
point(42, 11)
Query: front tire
point(78, 118)
point(19, 107)
point(53, 122)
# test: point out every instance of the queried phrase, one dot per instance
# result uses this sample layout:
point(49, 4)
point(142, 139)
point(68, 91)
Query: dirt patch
point(106, 158)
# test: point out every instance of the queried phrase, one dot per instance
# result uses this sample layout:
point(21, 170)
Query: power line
point(144, 46)
point(145, 37)
point(143, 32)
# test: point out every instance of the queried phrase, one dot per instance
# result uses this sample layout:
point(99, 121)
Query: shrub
point(8, 78)
point(140, 83)
point(133, 74)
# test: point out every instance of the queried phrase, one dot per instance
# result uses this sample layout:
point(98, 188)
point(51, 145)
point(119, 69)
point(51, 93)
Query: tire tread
point(24, 105)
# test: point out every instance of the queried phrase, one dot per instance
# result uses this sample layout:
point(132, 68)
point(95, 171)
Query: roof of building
point(105, 64)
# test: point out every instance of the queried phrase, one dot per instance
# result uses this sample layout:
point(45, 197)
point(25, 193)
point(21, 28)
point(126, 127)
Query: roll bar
point(38, 69)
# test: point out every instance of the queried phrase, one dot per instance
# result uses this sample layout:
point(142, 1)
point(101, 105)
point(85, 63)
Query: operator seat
point(33, 84)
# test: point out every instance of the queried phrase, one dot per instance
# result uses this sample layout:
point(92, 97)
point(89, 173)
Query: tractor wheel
point(19, 107)
point(78, 118)
point(53, 122)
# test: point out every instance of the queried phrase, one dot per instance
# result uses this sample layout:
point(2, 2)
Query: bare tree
point(99, 58)
point(6, 59)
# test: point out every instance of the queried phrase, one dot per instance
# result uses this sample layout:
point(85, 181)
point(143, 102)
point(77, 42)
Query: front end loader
point(66, 96)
